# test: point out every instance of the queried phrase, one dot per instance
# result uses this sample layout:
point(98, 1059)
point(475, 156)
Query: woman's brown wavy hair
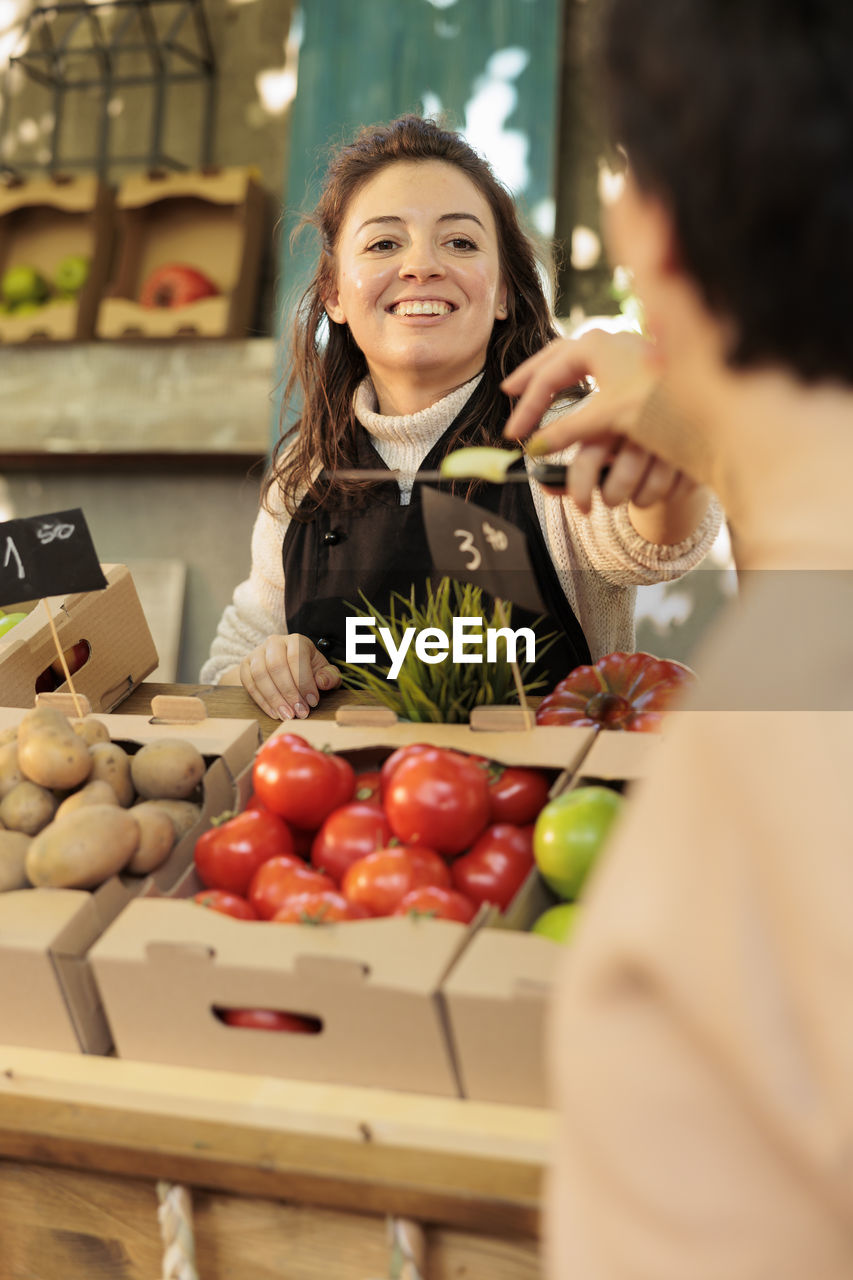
point(326, 366)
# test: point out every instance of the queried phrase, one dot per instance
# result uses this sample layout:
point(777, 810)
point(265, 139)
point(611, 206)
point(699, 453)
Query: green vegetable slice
point(479, 463)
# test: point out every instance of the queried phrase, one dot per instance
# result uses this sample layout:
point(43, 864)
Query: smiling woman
point(419, 288)
point(426, 294)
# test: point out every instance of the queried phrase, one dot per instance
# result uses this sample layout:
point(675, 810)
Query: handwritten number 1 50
point(12, 555)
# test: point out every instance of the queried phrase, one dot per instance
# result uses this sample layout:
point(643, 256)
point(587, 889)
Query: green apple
point(9, 620)
point(23, 284)
point(557, 922)
point(570, 833)
point(71, 274)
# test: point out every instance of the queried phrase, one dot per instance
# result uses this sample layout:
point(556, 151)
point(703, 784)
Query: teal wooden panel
point(490, 65)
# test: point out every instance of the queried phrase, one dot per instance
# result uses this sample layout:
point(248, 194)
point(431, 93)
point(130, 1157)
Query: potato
point(84, 848)
point(157, 837)
point(97, 792)
point(8, 735)
point(91, 730)
point(10, 770)
point(184, 813)
point(13, 854)
point(27, 807)
point(41, 718)
point(50, 752)
point(171, 769)
point(111, 763)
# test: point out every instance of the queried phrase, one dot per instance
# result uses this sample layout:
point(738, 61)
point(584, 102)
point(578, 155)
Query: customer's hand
point(285, 676)
point(608, 424)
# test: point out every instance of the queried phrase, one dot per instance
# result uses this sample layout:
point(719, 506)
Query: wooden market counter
point(290, 1180)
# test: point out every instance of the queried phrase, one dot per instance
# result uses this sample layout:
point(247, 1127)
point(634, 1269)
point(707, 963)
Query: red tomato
point(396, 758)
point(347, 835)
point(228, 855)
point(271, 1020)
point(516, 795)
point(380, 881)
point(497, 865)
point(318, 907)
point(433, 900)
point(367, 787)
point(299, 783)
point(230, 904)
point(254, 803)
point(277, 879)
point(438, 798)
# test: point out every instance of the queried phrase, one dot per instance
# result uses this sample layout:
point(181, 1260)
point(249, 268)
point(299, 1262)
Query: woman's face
point(418, 275)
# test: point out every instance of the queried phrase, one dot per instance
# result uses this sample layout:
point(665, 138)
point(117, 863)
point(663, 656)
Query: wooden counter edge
point(476, 1166)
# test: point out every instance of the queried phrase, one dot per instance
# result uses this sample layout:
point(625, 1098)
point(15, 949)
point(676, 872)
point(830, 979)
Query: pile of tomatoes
point(433, 832)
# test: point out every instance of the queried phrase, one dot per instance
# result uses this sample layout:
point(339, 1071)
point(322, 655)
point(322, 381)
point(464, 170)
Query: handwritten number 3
point(467, 545)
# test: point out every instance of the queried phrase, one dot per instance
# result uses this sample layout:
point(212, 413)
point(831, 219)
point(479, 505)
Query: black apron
point(346, 549)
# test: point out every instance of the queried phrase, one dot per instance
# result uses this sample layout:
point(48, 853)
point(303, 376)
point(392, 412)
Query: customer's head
point(738, 116)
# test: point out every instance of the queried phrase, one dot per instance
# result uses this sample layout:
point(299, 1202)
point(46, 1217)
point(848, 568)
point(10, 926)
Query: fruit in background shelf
point(621, 691)
point(9, 620)
point(71, 274)
point(175, 285)
point(23, 286)
point(570, 833)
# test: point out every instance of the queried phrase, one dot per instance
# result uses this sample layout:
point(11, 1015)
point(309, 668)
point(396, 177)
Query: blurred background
point(135, 131)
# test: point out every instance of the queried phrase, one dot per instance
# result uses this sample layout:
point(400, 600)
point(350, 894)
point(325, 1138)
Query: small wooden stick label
point(75, 697)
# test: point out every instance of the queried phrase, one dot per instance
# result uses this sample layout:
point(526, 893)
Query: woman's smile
point(431, 308)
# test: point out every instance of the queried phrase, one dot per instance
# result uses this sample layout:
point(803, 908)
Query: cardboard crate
point(210, 220)
point(42, 221)
point(376, 987)
point(497, 999)
point(500, 990)
point(619, 758)
point(48, 996)
point(165, 967)
point(109, 621)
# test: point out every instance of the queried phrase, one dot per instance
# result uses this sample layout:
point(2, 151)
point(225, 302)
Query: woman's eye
point(382, 245)
point(461, 242)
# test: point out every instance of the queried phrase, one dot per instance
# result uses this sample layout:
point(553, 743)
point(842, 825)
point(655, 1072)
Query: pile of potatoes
point(76, 808)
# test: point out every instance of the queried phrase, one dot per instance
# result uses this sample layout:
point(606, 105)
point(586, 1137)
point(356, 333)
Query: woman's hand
point(611, 429)
point(285, 675)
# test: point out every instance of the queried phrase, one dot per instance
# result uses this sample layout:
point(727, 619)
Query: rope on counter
point(408, 1249)
point(174, 1213)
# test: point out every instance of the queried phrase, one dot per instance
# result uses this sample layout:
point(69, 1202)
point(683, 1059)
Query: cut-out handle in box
point(483, 719)
point(72, 705)
point(365, 717)
point(501, 719)
point(173, 708)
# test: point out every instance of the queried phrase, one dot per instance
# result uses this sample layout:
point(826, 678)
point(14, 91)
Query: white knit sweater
point(600, 559)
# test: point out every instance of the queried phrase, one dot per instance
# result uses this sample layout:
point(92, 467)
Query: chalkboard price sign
point(49, 555)
point(474, 545)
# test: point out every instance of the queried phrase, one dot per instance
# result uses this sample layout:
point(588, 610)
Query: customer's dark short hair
point(739, 115)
